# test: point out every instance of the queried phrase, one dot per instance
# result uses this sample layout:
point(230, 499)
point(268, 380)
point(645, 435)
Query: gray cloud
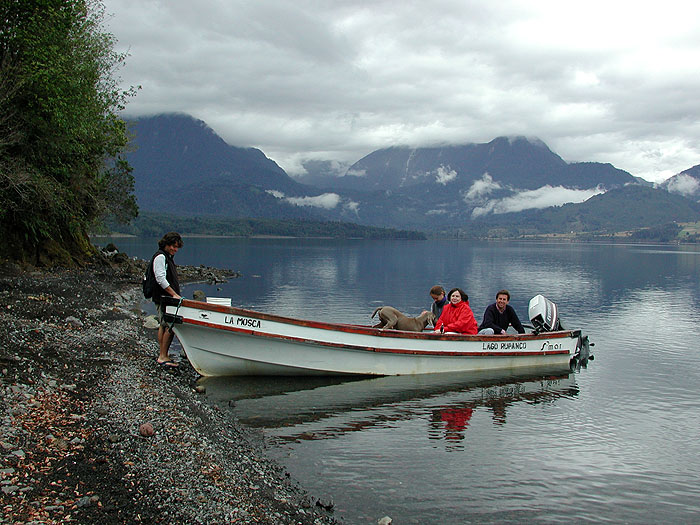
point(481, 188)
point(684, 184)
point(327, 200)
point(357, 173)
point(543, 197)
point(610, 82)
point(445, 175)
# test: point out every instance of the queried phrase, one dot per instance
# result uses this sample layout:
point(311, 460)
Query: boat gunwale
point(356, 329)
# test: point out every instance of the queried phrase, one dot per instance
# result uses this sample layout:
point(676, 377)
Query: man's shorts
point(160, 312)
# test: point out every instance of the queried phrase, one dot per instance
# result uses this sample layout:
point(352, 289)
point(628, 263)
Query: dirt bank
point(79, 379)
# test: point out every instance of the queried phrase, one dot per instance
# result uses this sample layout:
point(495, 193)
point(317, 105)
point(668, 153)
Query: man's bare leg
point(165, 337)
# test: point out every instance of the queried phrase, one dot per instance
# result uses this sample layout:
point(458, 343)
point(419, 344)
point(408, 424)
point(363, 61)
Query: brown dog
point(391, 318)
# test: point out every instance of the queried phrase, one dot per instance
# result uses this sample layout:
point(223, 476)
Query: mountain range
point(510, 185)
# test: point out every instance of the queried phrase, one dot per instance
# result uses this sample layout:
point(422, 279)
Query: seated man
point(499, 316)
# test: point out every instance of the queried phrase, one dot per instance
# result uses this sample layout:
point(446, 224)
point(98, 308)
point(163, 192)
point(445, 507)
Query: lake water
point(616, 442)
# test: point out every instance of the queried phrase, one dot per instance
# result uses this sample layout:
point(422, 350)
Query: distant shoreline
point(215, 236)
point(554, 238)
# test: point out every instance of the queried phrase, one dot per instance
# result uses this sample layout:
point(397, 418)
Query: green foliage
point(153, 225)
point(60, 135)
point(664, 233)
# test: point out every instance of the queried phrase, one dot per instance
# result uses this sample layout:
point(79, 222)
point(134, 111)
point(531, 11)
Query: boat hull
point(225, 341)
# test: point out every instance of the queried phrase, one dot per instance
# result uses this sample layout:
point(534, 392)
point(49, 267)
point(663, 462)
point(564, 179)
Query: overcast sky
point(607, 81)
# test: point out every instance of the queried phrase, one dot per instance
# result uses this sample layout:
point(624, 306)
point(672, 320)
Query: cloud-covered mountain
point(686, 183)
point(464, 182)
point(181, 166)
point(513, 162)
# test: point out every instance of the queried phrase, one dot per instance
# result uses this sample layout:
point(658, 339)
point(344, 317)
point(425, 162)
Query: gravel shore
point(81, 392)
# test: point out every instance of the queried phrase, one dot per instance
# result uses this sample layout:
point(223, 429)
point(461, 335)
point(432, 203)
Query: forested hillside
point(153, 224)
point(61, 137)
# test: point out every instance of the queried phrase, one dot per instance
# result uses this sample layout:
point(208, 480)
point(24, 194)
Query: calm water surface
point(616, 442)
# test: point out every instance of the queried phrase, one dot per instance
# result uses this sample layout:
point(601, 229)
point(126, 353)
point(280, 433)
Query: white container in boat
point(225, 301)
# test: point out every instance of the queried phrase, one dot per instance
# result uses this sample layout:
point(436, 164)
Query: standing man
point(165, 273)
point(499, 316)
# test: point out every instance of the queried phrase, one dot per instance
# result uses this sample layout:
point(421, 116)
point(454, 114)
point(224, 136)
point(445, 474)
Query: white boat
point(221, 340)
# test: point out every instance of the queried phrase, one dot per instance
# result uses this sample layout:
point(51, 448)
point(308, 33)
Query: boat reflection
point(452, 420)
point(294, 409)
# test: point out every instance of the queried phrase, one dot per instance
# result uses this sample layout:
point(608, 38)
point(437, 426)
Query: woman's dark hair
point(465, 297)
point(170, 239)
point(437, 290)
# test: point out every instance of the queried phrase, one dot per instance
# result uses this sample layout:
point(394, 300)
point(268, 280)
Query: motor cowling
point(543, 314)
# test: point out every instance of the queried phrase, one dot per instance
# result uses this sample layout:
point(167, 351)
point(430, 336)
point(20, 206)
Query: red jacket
point(457, 318)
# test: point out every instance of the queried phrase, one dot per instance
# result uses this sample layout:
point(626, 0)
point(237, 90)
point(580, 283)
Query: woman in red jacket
point(457, 316)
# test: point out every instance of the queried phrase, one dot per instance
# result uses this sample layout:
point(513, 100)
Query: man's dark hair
point(503, 292)
point(170, 239)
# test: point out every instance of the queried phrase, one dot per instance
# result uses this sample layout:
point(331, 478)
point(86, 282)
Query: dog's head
point(427, 317)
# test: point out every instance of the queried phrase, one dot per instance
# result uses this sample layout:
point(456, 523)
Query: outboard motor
point(544, 315)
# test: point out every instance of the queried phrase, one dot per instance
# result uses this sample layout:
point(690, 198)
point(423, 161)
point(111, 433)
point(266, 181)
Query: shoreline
point(544, 239)
point(79, 378)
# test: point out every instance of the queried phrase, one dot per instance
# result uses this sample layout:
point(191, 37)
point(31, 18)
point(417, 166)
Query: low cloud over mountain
point(543, 197)
point(326, 201)
point(686, 183)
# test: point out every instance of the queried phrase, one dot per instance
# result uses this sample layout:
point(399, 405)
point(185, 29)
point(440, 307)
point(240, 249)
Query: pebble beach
point(93, 430)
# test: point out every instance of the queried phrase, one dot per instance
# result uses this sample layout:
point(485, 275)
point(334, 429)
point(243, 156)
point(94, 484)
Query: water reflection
point(451, 421)
point(296, 409)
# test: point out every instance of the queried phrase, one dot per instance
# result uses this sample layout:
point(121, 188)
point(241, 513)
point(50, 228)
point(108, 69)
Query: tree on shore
point(61, 139)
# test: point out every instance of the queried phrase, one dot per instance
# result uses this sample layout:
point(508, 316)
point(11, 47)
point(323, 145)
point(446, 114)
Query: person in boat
point(165, 273)
point(499, 316)
point(439, 296)
point(457, 316)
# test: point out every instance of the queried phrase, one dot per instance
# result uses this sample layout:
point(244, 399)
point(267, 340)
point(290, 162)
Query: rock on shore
point(92, 430)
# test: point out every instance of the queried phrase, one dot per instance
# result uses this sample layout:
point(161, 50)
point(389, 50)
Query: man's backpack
point(149, 279)
point(149, 282)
